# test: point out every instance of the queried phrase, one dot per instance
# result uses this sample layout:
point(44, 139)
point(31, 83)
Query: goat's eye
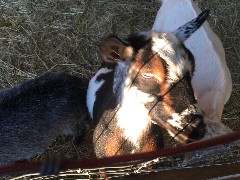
point(147, 75)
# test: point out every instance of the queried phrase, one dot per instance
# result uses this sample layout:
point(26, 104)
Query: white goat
point(211, 82)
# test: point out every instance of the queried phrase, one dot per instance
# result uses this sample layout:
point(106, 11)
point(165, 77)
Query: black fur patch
point(138, 41)
point(34, 113)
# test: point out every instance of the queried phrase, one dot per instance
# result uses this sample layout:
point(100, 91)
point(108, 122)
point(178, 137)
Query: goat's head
point(161, 67)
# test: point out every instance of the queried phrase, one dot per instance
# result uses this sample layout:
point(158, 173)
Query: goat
point(35, 112)
point(145, 79)
point(211, 81)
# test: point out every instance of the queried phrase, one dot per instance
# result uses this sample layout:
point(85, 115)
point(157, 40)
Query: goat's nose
point(192, 130)
point(198, 129)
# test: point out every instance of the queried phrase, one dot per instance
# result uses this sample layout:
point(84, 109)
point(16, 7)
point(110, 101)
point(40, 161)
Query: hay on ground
point(64, 35)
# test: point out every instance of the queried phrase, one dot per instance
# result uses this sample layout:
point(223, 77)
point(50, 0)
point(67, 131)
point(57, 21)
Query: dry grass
point(63, 35)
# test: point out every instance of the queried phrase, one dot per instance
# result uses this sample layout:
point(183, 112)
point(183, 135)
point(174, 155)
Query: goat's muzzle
point(192, 129)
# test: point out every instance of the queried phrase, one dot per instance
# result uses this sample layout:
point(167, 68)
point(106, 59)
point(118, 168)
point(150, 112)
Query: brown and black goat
point(146, 80)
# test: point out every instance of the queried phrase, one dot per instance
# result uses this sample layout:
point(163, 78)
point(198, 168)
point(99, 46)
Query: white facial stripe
point(133, 115)
point(93, 87)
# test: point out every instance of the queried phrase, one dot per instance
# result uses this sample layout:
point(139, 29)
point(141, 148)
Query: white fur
point(177, 118)
point(93, 87)
point(133, 115)
point(212, 81)
point(215, 128)
point(176, 121)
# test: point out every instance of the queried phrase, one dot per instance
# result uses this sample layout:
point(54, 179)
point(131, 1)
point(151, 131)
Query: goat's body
point(35, 112)
point(211, 81)
point(122, 122)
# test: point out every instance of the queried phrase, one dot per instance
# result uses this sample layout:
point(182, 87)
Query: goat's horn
point(190, 27)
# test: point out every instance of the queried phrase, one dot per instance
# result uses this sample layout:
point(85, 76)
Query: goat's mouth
point(190, 130)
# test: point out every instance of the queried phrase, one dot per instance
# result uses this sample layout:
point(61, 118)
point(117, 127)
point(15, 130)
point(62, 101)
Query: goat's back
point(35, 112)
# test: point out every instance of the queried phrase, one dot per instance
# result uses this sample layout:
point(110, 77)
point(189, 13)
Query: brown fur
point(113, 143)
point(155, 65)
point(113, 49)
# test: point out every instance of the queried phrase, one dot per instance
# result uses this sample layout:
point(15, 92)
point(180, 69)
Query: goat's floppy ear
point(190, 27)
point(114, 49)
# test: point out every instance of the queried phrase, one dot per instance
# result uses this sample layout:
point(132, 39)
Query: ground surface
point(64, 35)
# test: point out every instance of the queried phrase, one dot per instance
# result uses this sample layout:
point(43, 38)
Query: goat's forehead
point(167, 43)
point(173, 52)
point(169, 47)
